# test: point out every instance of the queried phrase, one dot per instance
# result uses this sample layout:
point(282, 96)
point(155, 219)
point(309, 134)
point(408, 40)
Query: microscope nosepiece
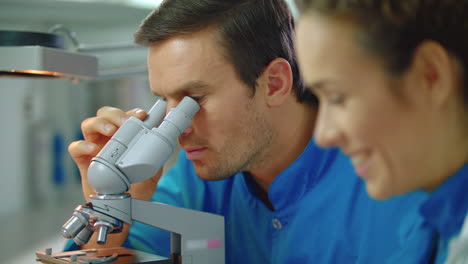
point(83, 237)
point(74, 225)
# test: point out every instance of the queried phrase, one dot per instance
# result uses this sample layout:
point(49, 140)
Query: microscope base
point(118, 255)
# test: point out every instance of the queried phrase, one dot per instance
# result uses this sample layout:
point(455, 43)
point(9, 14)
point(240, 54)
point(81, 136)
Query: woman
point(391, 77)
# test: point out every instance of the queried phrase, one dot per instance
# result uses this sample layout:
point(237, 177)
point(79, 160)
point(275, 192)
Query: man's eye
point(197, 98)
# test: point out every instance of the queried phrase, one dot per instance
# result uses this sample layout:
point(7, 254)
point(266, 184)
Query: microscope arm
point(197, 237)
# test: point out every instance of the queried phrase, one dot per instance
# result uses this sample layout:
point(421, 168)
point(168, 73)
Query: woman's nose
point(326, 133)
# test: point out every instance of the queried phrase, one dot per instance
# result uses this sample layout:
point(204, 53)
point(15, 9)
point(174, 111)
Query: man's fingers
point(98, 130)
point(82, 151)
point(117, 116)
point(114, 115)
point(107, 121)
point(138, 113)
point(93, 127)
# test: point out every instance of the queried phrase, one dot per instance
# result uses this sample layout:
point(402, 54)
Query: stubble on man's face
point(242, 148)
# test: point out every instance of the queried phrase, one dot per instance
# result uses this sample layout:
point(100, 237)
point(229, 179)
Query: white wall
point(35, 112)
point(13, 144)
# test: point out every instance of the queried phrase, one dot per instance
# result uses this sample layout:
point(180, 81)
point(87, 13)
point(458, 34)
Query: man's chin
point(201, 170)
point(209, 175)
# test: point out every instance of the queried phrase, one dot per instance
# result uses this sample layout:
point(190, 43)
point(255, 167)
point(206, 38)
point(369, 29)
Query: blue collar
point(297, 179)
point(447, 206)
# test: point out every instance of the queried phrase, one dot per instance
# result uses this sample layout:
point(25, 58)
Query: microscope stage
point(118, 255)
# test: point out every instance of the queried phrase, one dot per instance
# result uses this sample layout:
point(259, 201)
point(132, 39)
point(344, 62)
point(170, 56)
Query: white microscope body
point(135, 153)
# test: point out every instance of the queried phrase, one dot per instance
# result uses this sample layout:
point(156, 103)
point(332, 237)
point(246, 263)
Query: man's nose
point(187, 131)
point(171, 104)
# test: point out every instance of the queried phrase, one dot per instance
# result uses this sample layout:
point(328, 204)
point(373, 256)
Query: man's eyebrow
point(188, 87)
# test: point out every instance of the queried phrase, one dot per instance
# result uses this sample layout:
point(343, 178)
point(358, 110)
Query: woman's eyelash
point(336, 98)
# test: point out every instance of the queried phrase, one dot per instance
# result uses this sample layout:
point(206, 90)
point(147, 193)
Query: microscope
point(135, 153)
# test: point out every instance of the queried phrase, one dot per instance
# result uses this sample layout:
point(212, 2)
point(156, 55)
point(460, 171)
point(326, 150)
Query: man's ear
point(438, 70)
point(278, 80)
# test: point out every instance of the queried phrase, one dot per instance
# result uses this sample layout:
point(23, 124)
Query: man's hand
point(97, 131)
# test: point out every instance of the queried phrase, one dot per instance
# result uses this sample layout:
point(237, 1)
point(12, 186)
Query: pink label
point(213, 243)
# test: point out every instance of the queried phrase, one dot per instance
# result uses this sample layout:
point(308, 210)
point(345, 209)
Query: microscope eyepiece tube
point(156, 114)
point(139, 149)
point(179, 118)
point(188, 106)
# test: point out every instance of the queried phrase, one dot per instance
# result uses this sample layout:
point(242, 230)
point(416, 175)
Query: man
point(249, 154)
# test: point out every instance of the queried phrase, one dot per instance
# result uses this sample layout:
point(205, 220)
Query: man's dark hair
point(252, 33)
point(393, 29)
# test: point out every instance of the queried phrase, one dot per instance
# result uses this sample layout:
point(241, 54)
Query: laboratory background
point(97, 64)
